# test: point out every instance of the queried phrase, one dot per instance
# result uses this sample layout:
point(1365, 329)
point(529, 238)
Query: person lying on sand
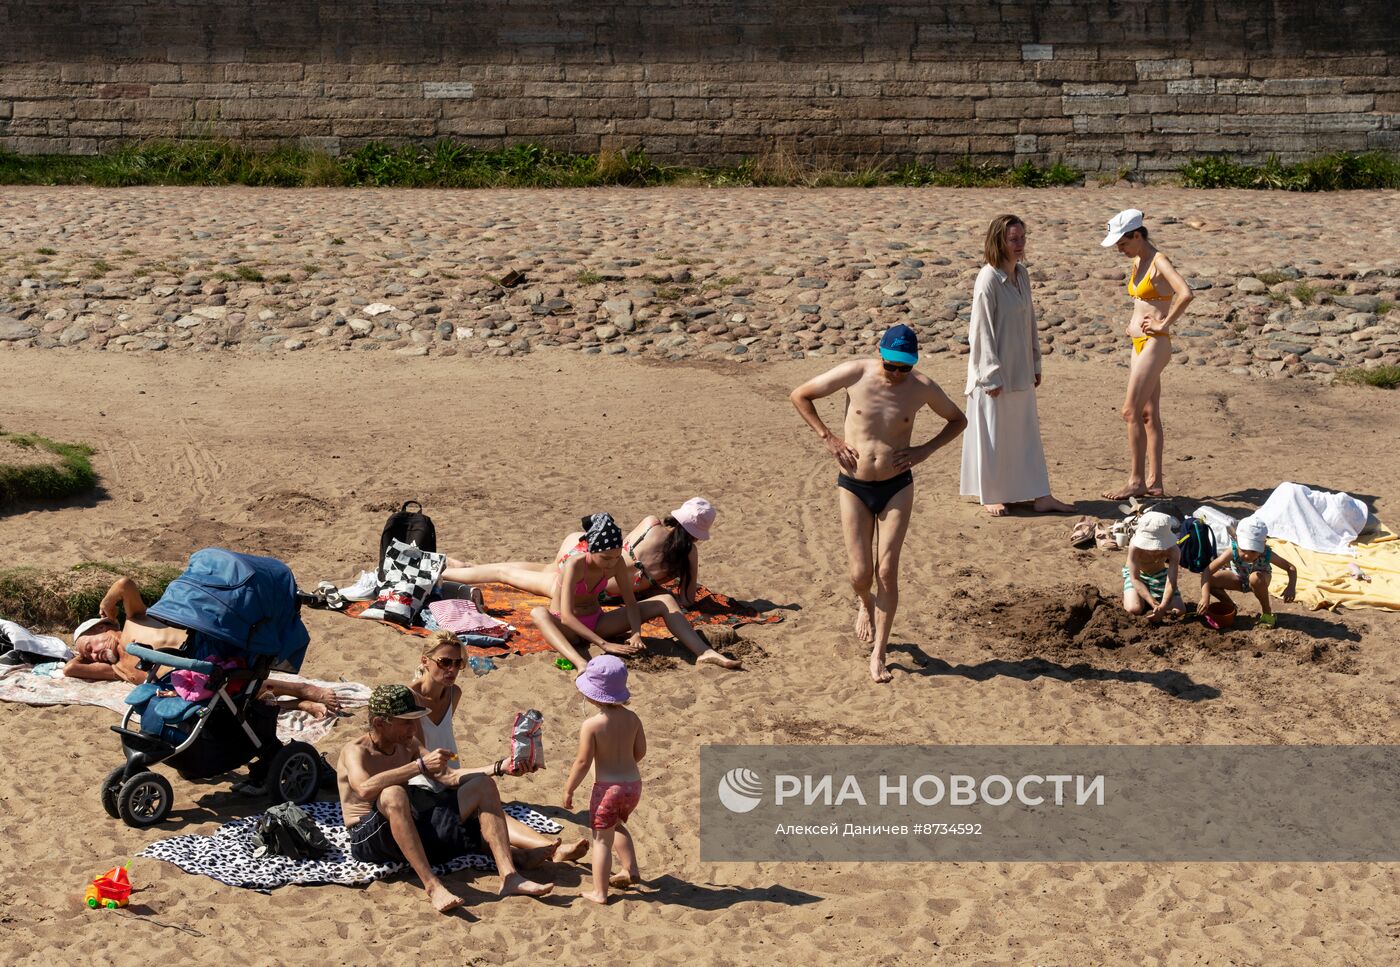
point(1248, 566)
point(390, 821)
point(589, 562)
point(658, 550)
point(1150, 576)
point(100, 644)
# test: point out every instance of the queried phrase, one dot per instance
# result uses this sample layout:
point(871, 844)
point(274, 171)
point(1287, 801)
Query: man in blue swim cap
point(875, 483)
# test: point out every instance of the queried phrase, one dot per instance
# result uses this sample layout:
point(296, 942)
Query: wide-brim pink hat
point(697, 516)
point(604, 680)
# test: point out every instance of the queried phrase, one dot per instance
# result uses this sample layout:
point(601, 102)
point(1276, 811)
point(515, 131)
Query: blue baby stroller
point(243, 617)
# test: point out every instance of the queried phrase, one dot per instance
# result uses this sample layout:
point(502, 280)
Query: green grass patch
point(46, 251)
point(588, 277)
point(60, 600)
point(1383, 307)
point(1271, 278)
point(26, 473)
point(248, 274)
point(450, 164)
point(1382, 377)
point(1332, 172)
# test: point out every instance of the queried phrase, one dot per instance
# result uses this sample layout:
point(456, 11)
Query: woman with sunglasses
point(1003, 462)
point(436, 689)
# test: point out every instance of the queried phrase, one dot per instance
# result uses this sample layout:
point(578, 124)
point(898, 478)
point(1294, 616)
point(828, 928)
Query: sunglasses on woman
point(897, 368)
point(449, 662)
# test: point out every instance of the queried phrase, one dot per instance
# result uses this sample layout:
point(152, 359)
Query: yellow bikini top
point(1146, 290)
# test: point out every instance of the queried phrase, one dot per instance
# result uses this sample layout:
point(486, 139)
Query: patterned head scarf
point(602, 533)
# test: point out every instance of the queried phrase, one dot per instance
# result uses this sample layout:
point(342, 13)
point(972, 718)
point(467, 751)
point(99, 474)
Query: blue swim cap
point(900, 344)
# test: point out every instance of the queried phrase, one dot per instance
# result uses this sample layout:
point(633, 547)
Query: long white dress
point(1003, 460)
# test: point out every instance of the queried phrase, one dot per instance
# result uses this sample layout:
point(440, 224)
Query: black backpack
point(286, 830)
point(1197, 543)
point(410, 527)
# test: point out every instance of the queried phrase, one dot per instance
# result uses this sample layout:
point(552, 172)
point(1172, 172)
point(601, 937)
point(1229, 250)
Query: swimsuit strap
point(627, 547)
point(638, 565)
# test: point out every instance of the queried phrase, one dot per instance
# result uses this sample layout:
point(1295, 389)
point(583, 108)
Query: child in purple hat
point(613, 742)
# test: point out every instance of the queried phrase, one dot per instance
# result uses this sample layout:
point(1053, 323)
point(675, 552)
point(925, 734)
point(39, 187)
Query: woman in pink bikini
point(659, 549)
point(575, 613)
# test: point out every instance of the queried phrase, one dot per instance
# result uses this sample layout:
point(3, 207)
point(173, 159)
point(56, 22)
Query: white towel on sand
point(1316, 519)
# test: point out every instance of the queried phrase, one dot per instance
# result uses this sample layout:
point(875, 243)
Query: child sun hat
point(696, 516)
point(604, 680)
point(1252, 534)
point(1154, 532)
point(1128, 220)
point(900, 344)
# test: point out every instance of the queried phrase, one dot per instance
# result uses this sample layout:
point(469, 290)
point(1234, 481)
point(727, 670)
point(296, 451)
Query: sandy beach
point(300, 458)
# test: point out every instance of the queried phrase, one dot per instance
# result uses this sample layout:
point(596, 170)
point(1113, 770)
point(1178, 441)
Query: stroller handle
point(143, 653)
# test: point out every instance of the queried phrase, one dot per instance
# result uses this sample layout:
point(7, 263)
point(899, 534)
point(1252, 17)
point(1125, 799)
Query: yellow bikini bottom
point(1140, 341)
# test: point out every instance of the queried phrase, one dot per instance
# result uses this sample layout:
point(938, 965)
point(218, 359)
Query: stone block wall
point(1099, 84)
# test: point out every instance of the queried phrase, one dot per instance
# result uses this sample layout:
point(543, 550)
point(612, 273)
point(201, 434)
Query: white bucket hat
point(1154, 532)
point(1252, 534)
point(1128, 220)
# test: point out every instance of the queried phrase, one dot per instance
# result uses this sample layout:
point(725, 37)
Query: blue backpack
point(1197, 543)
point(237, 605)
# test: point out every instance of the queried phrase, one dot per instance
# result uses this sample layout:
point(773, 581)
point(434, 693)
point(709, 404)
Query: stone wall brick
point(711, 81)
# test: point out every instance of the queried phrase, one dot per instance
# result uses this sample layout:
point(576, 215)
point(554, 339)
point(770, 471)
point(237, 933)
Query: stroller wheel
point(144, 799)
point(111, 786)
point(294, 774)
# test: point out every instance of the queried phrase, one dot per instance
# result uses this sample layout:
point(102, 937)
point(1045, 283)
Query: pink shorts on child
point(612, 802)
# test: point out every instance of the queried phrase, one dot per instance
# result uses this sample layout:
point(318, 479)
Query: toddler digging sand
point(1149, 577)
point(1248, 567)
point(613, 742)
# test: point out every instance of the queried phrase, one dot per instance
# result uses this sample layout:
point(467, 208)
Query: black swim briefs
point(876, 494)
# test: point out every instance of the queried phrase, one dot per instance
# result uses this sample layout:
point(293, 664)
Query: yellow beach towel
point(1327, 581)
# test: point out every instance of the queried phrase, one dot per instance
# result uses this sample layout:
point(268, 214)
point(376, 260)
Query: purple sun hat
point(604, 680)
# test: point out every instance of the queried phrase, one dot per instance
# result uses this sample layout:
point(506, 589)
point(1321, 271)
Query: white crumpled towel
point(1315, 519)
point(25, 640)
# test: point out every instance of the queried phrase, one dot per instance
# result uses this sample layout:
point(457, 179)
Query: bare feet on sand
point(878, 671)
point(865, 628)
point(621, 881)
point(594, 896)
point(442, 898)
point(535, 857)
point(571, 852)
point(1132, 490)
point(713, 657)
point(1049, 505)
point(996, 510)
point(517, 885)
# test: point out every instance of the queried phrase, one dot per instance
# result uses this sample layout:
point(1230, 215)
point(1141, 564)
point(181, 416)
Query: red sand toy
point(111, 890)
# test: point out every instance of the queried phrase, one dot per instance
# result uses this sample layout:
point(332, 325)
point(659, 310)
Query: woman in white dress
point(1003, 462)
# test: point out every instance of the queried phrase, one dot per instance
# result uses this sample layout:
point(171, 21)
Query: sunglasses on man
point(897, 368)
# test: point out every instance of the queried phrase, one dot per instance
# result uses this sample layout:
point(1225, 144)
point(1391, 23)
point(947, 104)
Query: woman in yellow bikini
point(1160, 296)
